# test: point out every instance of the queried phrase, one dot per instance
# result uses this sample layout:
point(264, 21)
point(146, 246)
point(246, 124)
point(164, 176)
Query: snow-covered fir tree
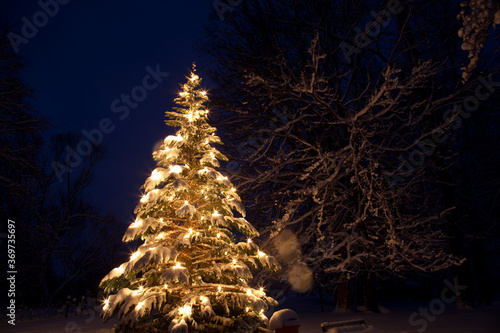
point(193, 270)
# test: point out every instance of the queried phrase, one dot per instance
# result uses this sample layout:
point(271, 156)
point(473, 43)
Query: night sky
point(92, 52)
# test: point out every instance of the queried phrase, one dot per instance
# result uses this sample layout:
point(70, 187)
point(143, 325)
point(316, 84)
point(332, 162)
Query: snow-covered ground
point(398, 318)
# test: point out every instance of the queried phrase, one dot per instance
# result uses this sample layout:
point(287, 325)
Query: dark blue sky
point(89, 54)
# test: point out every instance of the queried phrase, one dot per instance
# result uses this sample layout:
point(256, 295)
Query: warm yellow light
point(166, 286)
point(136, 223)
point(218, 235)
point(215, 213)
point(185, 310)
point(178, 265)
point(261, 311)
point(176, 168)
point(106, 303)
point(261, 254)
point(219, 288)
point(247, 309)
point(155, 190)
point(249, 292)
point(225, 253)
point(190, 230)
point(161, 219)
point(155, 175)
point(135, 255)
point(144, 198)
point(120, 269)
point(261, 289)
point(249, 240)
point(203, 93)
point(139, 305)
point(186, 202)
point(234, 261)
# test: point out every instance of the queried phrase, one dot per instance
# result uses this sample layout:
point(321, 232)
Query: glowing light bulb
point(190, 230)
point(249, 240)
point(249, 292)
point(166, 286)
point(186, 202)
point(261, 289)
point(136, 223)
point(261, 311)
point(135, 255)
point(225, 253)
point(202, 299)
point(219, 288)
point(178, 265)
point(139, 305)
point(261, 254)
point(233, 189)
point(185, 310)
point(203, 92)
point(234, 261)
point(144, 198)
point(218, 235)
point(247, 309)
point(106, 303)
point(161, 219)
point(215, 213)
point(120, 269)
point(155, 175)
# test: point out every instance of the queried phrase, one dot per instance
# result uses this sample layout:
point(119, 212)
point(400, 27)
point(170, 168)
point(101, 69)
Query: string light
point(249, 240)
point(178, 265)
point(249, 292)
point(219, 288)
point(261, 289)
point(144, 198)
point(234, 261)
point(166, 286)
point(139, 305)
point(218, 235)
point(155, 175)
point(136, 223)
point(190, 230)
point(106, 303)
point(135, 255)
point(247, 309)
point(185, 310)
point(261, 254)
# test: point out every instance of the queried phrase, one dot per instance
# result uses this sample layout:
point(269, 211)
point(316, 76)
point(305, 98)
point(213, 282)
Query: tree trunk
point(344, 296)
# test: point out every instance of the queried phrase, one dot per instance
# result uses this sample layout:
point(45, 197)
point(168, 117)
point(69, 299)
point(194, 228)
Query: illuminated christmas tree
point(193, 270)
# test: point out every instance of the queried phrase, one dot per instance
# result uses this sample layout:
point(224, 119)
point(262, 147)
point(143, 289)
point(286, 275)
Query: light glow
point(136, 223)
point(218, 235)
point(219, 288)
point(106, 303)
point(135, 255)
point(155, 175)
point(249, 292)
point(178, 265)
point(166, 286)
point(139, 305)
point(144, 198)
point(185, 310)
point(261, 254)
point(176, 168)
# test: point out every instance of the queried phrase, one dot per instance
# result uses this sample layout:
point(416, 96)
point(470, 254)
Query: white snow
point(483, 320)
point(283, 318)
